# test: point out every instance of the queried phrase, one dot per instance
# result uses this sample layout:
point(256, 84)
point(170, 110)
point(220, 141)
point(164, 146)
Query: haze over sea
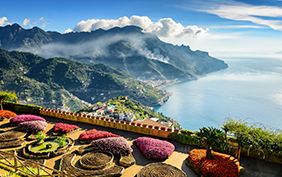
point(251, 88)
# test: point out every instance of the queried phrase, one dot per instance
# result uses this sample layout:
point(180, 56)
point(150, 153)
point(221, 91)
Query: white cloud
point(67, 31)
point(26, 22)
point(98, 48)
point(255, 14)
point(40, 19)
point(165, 27)
point(237, 26)
point(31, 24)
point(3, 21)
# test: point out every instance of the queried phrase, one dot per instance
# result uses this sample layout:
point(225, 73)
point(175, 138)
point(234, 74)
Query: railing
point(157, 131)
point(17, 164)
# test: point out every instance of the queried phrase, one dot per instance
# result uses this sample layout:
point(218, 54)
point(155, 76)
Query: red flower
point(64, 128)
point(5, 114)
point(95, 134)
point(222, 165)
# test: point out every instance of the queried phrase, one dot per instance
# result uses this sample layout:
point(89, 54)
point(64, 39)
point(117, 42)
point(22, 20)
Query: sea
point(250, 89)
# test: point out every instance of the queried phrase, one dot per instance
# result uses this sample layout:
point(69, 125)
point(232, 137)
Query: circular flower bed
point(6, 114)
point(11, 135)
point(116, 145)
point(160, 169)
point(155, 148)
point(41, 151)
point(96, 160)
point(222, 165)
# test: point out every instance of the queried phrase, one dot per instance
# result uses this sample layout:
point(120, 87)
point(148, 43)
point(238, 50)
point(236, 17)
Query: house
point(109, 110)
point(100, 112)
point(148, 121)
point(129, 117)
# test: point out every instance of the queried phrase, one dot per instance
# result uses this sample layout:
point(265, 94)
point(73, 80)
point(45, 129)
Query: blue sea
point(250, 89)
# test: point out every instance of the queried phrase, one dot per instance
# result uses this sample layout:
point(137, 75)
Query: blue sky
point(224, 28)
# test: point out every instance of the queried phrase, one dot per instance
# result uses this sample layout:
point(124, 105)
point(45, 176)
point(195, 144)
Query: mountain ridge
point(142, 55)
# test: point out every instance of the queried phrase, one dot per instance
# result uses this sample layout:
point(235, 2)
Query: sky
point(224, 28)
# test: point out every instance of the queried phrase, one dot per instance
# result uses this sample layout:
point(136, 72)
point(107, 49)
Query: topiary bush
point(33, 126)
point(116, 145)
point(6, 114)
point(94, 134)
point(24, 118)
point(64, 128)
point(155, 148)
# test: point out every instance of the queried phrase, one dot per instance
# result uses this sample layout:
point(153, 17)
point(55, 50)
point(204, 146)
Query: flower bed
point(6, 114)
point(33, 126)
point(95, 134)
point(155, 148)
point(24, 118)
point(62, 128)
point(222, 165)
point(116, 145)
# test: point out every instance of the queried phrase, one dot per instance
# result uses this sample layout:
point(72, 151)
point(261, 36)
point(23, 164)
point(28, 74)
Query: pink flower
point(33, 126)
point(116, 145)
point(24, 118)
point(155, 148)
point(94, 134)
point(65, 128)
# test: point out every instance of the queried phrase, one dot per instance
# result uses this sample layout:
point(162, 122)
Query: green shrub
point(40, 136)
point(185, 139)
point(185, 131)
point(62, 141)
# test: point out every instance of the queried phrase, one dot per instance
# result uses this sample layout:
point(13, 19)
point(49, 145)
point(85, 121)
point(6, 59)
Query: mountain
point(63, 81)
point(140, 54)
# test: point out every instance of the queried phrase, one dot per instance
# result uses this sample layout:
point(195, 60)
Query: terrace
point(252, 166)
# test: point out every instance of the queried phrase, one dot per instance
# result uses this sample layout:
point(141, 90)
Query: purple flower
point(33, 126)
point(116, 145)
point(155, 148)
point(24, 118)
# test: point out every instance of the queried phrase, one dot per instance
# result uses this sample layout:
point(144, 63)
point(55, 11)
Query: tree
point(208, 136)
point(5, 95)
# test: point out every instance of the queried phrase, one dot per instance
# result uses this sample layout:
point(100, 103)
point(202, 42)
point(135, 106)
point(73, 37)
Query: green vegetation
point(259, 140)
point(5, 95)
point(40, 136)
point(192, 139)
point(256, 138)
point(123, 104)
point(62, 141)
point(59, 83)
point(208, 136)
point(20, 107)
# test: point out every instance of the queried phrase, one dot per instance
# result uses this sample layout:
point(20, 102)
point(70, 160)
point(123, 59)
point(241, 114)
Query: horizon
point(222, 28)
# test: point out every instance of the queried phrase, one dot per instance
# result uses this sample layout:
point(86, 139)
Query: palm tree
point(208, 136)
point(5, 95)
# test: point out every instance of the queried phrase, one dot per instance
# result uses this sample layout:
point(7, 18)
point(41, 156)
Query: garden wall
point(107, 122)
